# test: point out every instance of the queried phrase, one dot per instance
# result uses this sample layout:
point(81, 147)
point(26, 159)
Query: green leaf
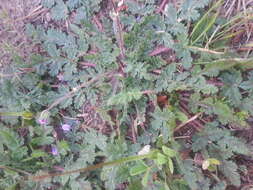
point(229, 169)
point(52, 50)
point(94, 138)
point(247, 85)
point(234, 144)
point(10, 139)
point(204, 24)
point(232, 81)
point(145, 178)
point(73, 3)
point(135, 185)
point(164, 121)
point(171, 165)
point(220, 186)
point(169, 152)
point(189, 9)
point(35, 154)
point(125, 97)
point(161, 159)
point(179, 184)
point(48, 3)
point(214, 161)
point(42, 140)
point(224, 112)
point(55, 67)
point(59, 11)
point(181, 116)
point(139, 168)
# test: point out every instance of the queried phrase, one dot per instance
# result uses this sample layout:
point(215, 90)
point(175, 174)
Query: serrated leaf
point(42, 140)
point(52, 50)
point(229, 169)
point(232, 81)
point(189, 9)
point(234, 144)
point(199, 143)
point(247, 85)
point(56, 36)
point(55, 67)
point(59, 11)
point(73, 3)
point(94, 138)
point(10, 139)
point(124, 97)
point(48, 3)
point(190, 175)
point(223, 112)
point(220, 186)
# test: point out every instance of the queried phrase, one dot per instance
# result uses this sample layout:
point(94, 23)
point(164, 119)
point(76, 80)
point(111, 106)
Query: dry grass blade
point(188, 121)
point(205, 50)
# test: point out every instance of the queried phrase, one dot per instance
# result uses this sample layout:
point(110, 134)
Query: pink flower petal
point(42, 121)
point(54, 150)
point(66, 127)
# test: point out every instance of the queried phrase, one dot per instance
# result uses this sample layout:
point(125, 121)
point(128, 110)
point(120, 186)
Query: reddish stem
point(162, 6)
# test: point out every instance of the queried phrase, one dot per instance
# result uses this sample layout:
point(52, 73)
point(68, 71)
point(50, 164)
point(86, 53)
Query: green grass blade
point(204, 24)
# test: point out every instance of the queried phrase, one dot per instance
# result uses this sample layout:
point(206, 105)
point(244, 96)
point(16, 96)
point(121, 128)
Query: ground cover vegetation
point(133, 94)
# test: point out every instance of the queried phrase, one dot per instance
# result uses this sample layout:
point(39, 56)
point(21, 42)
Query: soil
point(14, 14)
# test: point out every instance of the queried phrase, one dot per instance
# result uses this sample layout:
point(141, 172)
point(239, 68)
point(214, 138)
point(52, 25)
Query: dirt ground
point(14, 14)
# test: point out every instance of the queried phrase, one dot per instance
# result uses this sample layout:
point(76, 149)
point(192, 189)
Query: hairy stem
point(94, 167)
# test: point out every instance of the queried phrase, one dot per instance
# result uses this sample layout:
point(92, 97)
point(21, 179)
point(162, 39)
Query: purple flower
point(54, 150)
point(43, 121)
point(66, 127)
point(60, 77)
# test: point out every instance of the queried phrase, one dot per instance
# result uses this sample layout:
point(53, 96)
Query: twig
point(14, 169)
point(162, 6)
point(93, 167)
point(159, 50)
point(188, 121)
point(146, 92)
point(215, 83)
point(230, 9)
point(196, 123)
point(212, 36)
point(117, 27)
point(134, 129)
point(98, 23)
point(76, 89)
point(35, 12)
point(17, 73)
point(87, 64)
point(182, 137)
